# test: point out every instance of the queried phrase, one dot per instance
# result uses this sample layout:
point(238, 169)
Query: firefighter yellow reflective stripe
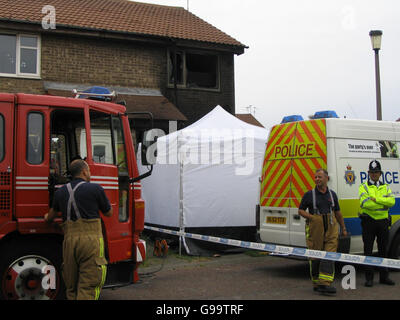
point(103, 269)
point(103, 279)
point(307, 231)
point(294, 151)
point(101, 253)
point(326, 277)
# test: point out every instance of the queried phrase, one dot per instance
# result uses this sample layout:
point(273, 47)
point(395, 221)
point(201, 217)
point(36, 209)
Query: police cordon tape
point(288, 251)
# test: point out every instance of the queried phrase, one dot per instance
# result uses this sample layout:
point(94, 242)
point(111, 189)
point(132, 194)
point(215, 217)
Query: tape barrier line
point(283, 250)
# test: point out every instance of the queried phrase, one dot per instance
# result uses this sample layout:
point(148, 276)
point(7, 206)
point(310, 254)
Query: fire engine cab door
point(106, 157)
point(32, 162)
point(6, 157)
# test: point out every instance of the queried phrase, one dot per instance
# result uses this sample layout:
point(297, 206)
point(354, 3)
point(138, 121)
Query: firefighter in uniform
point(322, 229)
point(375, 200)
point(84, 264)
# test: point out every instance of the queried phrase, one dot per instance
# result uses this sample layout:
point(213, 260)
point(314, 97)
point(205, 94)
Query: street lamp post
point(376, 38)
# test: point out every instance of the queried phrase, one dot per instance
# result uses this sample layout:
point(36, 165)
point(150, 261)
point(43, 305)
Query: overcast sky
point(309, 55)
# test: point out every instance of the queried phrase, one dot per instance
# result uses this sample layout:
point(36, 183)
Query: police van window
point(2, 140)
point(35, 141)
point(102, 147)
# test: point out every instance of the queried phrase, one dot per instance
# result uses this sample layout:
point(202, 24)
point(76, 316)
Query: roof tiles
point(120, 16)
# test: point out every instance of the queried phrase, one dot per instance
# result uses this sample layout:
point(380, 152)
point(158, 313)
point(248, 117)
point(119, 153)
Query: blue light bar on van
point(325, 114)
point(292, 118)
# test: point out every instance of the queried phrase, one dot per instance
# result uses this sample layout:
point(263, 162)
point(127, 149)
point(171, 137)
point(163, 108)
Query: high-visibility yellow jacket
point(384, 200)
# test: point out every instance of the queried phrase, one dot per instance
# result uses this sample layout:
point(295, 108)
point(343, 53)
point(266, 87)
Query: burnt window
point(193, 70)
point(201, 71)
point(176, 68)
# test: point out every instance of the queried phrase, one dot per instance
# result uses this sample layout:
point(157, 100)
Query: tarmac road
point(241, 276)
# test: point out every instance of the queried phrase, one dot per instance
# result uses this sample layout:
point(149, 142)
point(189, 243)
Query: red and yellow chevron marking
point(294, 151)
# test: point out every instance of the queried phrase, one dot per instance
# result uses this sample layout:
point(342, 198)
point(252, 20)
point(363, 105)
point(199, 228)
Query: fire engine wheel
point(31, 272)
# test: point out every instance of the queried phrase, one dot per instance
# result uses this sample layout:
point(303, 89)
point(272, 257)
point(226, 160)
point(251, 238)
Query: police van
point(297, 147)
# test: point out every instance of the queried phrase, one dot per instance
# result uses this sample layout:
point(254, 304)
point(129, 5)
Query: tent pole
point(180, 206)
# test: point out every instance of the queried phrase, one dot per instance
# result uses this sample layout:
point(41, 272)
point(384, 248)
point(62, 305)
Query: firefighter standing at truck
point(84, 264)
point(375, 200)
point(322, 229)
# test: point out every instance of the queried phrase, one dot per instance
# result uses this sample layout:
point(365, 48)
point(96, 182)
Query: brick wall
point(102, 62)
point(93, 62)
point(88, 61)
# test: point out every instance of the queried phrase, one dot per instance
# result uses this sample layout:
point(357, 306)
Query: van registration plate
point(276, 220)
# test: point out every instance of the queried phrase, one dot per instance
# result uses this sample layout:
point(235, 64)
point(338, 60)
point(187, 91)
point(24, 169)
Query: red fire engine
point(39, 136)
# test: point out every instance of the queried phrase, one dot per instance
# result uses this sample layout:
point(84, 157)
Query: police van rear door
point(294, 151)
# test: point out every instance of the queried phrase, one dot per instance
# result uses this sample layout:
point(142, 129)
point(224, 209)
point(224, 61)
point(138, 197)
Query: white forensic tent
point(206, 175)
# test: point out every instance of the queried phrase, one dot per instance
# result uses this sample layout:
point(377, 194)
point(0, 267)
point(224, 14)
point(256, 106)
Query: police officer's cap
point(374, 166)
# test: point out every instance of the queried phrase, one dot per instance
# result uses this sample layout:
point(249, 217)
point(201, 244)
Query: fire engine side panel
point(6, 164)
point(31, 176)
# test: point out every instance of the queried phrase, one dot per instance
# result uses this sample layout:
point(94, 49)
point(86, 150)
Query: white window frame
point(17, 73)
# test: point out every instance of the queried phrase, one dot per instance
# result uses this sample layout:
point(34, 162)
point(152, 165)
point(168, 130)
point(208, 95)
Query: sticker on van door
point(373, 149)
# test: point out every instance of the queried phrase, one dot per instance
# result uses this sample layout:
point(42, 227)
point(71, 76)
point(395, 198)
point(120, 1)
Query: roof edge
point(241, 47)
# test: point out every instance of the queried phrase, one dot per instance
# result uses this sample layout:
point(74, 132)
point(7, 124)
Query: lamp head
point(376, 39)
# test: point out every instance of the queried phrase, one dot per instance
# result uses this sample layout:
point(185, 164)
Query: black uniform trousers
point(372, 229)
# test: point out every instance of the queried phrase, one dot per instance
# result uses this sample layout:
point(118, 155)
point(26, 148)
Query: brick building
point(158, 58)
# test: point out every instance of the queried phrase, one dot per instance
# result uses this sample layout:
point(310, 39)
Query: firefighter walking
point(84, 264)
point(375, 200)
point(322, 229)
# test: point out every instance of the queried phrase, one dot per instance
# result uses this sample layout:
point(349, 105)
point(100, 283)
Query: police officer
point(375, 200)
point(84, 264)
point(322, 229)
